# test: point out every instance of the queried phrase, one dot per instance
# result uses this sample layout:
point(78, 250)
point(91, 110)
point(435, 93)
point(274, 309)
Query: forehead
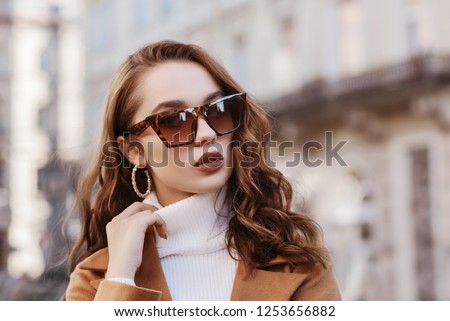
point(174, 80)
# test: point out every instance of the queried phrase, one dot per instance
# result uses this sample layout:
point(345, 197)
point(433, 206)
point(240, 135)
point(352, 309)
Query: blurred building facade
point(383, 201)
point(5, 87)
point(41, 121)
point(373, 74)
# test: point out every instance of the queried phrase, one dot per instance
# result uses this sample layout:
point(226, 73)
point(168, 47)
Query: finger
point(149, 218)
point(161, 230)
point(135, 208)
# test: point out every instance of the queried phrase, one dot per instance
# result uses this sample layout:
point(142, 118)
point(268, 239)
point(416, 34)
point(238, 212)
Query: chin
point(199, 189)
point(207, 184)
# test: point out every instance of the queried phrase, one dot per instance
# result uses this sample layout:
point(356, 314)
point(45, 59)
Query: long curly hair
point(263, 226)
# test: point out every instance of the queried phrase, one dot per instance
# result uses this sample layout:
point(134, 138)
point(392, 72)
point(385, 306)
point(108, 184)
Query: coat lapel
point(266, 285)
point(150, 274)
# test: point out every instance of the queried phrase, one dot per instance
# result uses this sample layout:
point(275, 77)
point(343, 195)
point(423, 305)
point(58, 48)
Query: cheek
point(172, 168)
point(155, 152)
point(168, 161)
point(227, 150)
point(181, 157)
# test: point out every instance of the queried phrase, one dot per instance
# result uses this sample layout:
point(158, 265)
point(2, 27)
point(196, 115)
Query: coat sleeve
point(320, 285)
point(88, 285)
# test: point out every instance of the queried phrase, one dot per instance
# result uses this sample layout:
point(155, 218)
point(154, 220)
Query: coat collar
point(271, 281)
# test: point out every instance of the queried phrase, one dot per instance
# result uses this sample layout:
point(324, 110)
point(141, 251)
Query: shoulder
point(317, 283)
point(86, 276)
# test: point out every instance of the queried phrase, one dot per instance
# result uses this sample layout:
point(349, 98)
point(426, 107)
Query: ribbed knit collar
point(195, 225)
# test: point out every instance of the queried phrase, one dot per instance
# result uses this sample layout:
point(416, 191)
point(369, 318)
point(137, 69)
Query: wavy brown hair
point(263, 226)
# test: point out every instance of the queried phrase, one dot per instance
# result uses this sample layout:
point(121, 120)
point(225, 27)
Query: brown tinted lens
point(177, 128)
point(225, 116)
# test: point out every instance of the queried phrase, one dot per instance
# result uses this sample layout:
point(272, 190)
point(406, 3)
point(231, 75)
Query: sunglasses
point(177, 128)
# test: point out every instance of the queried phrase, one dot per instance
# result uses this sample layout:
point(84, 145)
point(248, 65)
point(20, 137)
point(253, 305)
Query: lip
point(210, 162)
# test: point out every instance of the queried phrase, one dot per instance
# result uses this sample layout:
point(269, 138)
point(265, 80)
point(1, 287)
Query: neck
point(167, 196)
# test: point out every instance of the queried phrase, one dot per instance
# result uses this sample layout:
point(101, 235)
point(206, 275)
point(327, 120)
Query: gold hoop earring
point(133, 182)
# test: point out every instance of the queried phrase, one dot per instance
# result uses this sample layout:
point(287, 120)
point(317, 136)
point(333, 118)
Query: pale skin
point(190, 85)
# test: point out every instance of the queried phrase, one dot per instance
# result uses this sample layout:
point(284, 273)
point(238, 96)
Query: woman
point(179, 203)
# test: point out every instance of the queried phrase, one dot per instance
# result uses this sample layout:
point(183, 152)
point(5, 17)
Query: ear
point(133, 151)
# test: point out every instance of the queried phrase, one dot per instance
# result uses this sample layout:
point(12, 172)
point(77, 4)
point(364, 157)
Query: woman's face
point(175, 171)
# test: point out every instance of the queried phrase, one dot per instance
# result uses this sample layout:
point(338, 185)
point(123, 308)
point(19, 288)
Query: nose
point(205, 133)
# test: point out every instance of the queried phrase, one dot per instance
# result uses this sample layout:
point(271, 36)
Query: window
point(3, 248)
point(415, 24)
point(49, 59)
point(420, 205)
point(283, 57)
point(3, 119)
point(5, 38)
point(349, 37)
point(44, 118)
point(3, 174)
point(287, 33)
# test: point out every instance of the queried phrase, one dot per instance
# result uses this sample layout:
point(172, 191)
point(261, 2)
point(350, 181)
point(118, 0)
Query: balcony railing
point(426, 68)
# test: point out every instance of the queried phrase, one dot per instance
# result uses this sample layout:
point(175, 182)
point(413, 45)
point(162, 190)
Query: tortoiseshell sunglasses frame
point(152, 121)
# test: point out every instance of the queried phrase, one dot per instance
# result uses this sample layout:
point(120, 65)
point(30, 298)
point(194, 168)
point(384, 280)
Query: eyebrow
point(179, 103)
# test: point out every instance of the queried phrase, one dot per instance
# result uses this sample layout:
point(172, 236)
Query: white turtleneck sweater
point(194, 257)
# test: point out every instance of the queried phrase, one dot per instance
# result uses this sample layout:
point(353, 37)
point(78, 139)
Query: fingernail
point(165, 236)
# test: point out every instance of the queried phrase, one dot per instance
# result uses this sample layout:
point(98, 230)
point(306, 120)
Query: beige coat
point(273, 281)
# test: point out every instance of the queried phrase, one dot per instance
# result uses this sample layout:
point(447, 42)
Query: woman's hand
point(126, 234)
